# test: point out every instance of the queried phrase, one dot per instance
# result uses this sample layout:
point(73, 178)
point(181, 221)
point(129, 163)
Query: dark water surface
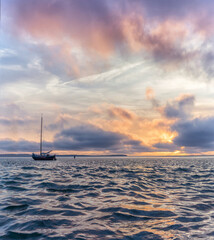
point(107, 198)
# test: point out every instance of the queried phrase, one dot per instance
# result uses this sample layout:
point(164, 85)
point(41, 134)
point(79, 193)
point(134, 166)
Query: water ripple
point(107, 198)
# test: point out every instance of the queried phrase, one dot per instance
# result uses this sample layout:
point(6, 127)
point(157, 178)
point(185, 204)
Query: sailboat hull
point(44, 157)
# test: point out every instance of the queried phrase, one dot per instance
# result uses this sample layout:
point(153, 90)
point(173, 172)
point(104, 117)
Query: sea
point(107, 198)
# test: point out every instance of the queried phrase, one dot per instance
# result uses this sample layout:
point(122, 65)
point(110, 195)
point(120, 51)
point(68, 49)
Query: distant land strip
point(29, 155)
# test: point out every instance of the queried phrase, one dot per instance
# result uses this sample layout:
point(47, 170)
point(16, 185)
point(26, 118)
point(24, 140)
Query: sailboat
point(43, 155)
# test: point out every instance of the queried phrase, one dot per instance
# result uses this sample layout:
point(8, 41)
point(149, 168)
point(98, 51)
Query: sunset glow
point(128, 77)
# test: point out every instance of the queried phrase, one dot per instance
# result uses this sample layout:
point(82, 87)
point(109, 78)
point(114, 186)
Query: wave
point(107, 198)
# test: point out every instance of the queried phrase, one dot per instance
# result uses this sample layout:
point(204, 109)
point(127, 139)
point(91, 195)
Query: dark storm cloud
point(165, 147)
point(180, 108)
point(86, 137)
point(197, 133)
point(91, 138)
point(9, 145)
point(80, 138)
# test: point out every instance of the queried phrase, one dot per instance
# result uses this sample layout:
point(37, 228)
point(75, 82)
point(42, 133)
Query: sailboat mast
point(41, 135)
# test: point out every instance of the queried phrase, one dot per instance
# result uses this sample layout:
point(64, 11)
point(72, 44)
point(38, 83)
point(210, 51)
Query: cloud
point(14, 122)
point(83, 137)
point(22, 145)
point(192, 134)
point(80, 138)
point(117, 112)
point(104, 27)
point(150, 95)
point(197, 133)
point(208, 63)
point(9, 145)
point(23, 64)
point(169, 8)
point(167, 147)
point(188, 134)
point(90, 138)
point(85, 22)
point(179, 108)
point(12, 110)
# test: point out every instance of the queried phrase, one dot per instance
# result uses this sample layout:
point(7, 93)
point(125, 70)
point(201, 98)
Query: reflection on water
point(107, 198)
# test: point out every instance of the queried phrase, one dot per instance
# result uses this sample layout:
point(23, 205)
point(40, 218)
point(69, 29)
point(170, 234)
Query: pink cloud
point(91, 26)
point(97, 26)
point(102, 29)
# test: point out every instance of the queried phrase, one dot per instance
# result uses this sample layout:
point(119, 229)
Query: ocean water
point(107, 198)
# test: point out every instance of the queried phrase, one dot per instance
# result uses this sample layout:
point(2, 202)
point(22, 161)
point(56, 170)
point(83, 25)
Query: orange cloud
point(126, 122)
point(150, 93)
point(121, 113)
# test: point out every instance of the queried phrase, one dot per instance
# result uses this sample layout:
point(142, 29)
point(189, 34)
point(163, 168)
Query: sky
point(128, 77)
